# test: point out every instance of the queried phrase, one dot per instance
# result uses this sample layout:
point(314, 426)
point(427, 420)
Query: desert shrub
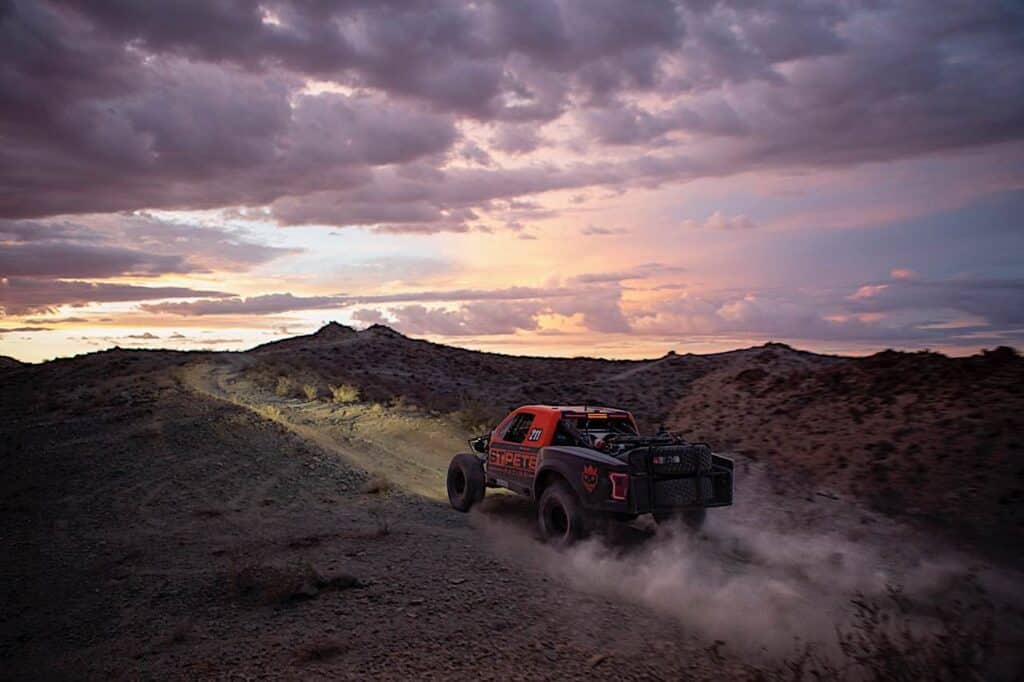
point(475, 417)
point(346, 393)
point(311, 391)
point(886, 642)
point(271, 412)
point(375, 485)
point(286, 387)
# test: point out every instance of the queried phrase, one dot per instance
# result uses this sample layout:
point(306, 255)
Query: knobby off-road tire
point(466, 482)
point(560, 515)
point(691, 518)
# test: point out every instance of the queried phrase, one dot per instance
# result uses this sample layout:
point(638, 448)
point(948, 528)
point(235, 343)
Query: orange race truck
point(584, 464)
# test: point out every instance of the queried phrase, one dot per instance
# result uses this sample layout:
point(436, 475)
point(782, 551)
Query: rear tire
point(466, 482)
point(560, 515)
point(691, 518)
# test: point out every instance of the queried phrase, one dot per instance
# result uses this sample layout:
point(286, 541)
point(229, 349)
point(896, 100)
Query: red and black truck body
point(599, 453)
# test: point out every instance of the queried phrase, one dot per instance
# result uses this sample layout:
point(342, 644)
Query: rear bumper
point(710, 487)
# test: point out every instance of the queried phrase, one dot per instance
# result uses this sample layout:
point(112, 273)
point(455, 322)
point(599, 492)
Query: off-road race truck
point(585, 465)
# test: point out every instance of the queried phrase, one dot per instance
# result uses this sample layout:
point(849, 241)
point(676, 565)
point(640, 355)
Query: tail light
point(620, 485)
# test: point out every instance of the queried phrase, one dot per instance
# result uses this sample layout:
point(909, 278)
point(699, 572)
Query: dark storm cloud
point(91, 124)
point(78, 260)
point(90, 250)
point(26, 296)
point(108, 106)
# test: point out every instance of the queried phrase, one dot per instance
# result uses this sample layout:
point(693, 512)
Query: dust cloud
point(765, 576)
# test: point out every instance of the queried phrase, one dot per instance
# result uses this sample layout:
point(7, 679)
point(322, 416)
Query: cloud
point(642, 271)
point(516, 138)
point(266, 304)
point(93, 247)
point(482, 318)
point(113, 129)
point(597, 230)
point(897, 311)
point(26, 296)
point(286, 302)
point(998, 301)
point(112, 108)
point(11, 330)
point(57, 320)
point(78, 260)
point(719, 221)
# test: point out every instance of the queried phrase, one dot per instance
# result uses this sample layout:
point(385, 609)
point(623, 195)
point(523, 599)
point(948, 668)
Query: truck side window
point(516, 431)
point(563, 437)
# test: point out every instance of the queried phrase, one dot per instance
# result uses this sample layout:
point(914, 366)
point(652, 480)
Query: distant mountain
point(938, 437)
point(9, 363)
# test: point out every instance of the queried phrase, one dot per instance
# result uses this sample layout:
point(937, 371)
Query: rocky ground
point(171, 515)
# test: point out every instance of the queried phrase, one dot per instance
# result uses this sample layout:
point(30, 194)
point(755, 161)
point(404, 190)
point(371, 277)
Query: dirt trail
point(409, 449)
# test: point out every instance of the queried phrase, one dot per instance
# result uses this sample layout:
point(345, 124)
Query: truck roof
point(576, 409)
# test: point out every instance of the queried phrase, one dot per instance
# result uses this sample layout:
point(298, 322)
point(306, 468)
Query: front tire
point(466, 482)
point(691, 518)
point(560, 515)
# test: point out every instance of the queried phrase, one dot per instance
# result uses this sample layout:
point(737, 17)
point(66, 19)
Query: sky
point(550, 177)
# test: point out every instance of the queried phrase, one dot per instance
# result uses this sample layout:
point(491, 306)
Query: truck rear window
point(605, 425)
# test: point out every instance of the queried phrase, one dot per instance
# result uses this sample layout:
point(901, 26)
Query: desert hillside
point(935, 438)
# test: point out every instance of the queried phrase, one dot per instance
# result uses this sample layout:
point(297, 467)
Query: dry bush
point(286, 387)
point(375, 485)
point(271, 412)
point(402, 404)
point(312, 392)
point(474, 417)
point(344, 394)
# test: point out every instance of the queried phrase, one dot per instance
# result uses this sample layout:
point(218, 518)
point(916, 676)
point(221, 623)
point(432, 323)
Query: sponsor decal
point(512, 462)
point(589, 477)
point(535, 434)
